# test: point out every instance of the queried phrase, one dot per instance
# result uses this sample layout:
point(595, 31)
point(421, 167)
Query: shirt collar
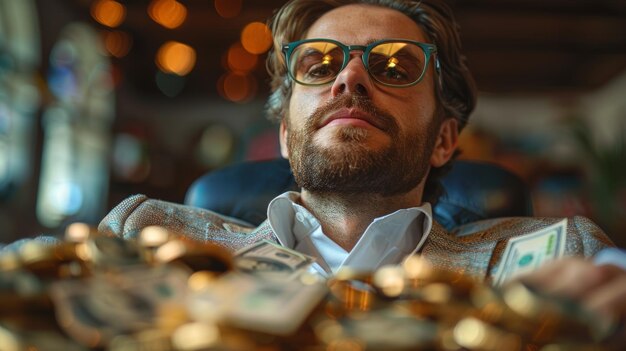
point(387, 240)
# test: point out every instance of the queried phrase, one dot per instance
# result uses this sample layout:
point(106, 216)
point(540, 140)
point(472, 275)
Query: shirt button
point(300, 217)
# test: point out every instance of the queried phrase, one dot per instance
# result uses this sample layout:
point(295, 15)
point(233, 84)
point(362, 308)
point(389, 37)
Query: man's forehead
point(363, 24)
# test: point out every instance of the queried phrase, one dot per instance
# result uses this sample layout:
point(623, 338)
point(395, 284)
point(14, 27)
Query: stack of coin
point(96, 291)
point(417, 306)
point(164, 292)
point(27, 319)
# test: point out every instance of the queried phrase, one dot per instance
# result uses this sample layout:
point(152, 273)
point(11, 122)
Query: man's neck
point(344, 218)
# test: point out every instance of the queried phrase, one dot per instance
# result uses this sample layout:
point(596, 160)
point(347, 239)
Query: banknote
point(270, 259)
point(528, 252)
point(253, 303)
point(93, 311)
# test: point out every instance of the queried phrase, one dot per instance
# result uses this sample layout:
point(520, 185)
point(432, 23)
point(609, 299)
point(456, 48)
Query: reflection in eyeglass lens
point(396, 63)
point(317, 62)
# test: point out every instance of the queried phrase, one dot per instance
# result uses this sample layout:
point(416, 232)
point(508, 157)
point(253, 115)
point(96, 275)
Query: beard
point(350, 167)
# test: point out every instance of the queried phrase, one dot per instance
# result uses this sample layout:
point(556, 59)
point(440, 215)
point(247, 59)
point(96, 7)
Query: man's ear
point(284, 152)
point(446, 142)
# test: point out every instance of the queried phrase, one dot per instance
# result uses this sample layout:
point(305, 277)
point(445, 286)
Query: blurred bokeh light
point(117, 43)
point(177, 58)
point(228, 8)
point(168, 13)
point(237, 87)
point(130, 159)
point(240, 60)
point(169, 84)
point(256, 38)
point(216, 146)
point(108, 12)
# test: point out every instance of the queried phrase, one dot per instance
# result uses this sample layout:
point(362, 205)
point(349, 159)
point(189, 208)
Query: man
point(371, 96)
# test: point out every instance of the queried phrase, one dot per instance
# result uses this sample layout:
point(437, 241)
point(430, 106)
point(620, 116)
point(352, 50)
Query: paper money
point(528, 252)
point(95, 310)
point(253, 303)
point(270, 259)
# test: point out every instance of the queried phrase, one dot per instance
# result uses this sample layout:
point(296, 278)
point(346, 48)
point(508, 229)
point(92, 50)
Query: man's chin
point(351, 137)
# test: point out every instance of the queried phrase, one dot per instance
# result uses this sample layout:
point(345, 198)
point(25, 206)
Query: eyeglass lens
point(392, 63)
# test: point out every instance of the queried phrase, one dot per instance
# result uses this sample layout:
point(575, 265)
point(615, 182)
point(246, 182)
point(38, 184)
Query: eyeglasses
point(391, 62)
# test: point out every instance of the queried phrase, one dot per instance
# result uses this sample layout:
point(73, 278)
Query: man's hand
point(601, 289)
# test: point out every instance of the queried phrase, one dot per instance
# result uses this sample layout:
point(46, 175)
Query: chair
point(473, 191)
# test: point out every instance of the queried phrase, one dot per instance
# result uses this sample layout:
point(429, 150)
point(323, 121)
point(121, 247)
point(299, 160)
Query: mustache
point(380, 117)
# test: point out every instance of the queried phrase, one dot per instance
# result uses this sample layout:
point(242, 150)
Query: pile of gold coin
point(164, 292)
point(99, 292)
point(419, 307)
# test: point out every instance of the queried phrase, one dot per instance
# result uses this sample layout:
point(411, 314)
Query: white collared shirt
point(387, 240)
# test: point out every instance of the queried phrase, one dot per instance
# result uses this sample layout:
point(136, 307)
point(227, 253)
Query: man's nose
point(353, 79)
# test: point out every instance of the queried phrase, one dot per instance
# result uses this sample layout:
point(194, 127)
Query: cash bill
point(270, 259)
point(95, 310)
point(528, 252)
point(253, 303)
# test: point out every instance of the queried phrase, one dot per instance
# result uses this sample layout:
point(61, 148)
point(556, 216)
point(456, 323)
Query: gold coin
point(153, 236)
point(389, 280)
point(475, 334)
point(45, 260)
point(352, 289)
point(107, 251)
point(197, 256)
point(78, 232)
point(553, 318)
point(9, 261)
point(195, 336)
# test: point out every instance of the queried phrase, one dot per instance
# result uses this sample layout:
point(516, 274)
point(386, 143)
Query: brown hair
point(456, 90)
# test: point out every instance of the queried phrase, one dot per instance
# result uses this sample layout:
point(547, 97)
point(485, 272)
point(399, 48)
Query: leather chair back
point(473, 191)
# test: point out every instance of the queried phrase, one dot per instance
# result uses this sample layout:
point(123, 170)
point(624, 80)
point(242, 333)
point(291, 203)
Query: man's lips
point(351, 116)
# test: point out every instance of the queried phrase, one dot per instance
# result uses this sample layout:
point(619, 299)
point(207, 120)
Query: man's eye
point(394, 73)
point(320, 70)
point(390, 73)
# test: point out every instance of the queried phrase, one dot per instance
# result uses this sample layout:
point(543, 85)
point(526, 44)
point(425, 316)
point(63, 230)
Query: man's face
point(354, 135)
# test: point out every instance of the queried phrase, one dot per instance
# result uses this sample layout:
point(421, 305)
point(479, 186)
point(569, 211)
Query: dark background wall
point(541, 66)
